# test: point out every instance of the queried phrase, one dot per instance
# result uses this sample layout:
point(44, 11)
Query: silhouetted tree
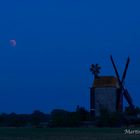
point(82, 113)
point(37, 117)
point(59, 118)
point(109, 119)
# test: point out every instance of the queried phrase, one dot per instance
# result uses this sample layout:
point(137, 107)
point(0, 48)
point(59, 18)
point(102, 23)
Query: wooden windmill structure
point(108, 91)
point(122, 89)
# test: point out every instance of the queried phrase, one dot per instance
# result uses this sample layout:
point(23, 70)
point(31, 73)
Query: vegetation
point(57, 118)
point(78, 118)
point(64, 125)
point(109, 119)
point(65, 134)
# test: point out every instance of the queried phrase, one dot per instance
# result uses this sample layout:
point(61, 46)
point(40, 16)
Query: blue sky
point(56, 43)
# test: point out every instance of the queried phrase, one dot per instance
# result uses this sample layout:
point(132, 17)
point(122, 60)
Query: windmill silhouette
point(95, 69)
point(122, 89)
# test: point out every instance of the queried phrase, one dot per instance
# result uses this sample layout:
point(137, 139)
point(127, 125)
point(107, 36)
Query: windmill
point(122, 89)
point(95, 69)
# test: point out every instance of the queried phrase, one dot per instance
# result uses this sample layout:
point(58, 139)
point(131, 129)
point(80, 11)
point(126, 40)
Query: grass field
point(65, 134)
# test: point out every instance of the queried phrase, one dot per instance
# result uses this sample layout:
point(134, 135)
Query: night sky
point(57, 40)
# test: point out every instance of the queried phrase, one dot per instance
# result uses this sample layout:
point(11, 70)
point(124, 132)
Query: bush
point(109, 119)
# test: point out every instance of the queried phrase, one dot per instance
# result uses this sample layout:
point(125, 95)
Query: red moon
point(13, 43)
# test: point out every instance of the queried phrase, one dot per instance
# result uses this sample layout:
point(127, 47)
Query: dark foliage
point(23, 120)
point(57, 118)
point(109, 119)
point(62, 118)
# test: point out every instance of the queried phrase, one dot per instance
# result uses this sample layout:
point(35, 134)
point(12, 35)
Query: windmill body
point(104, 94)
point(107, 92)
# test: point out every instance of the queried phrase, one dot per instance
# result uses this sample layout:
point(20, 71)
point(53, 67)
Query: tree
point(37, 117)
point(59, 118)
point(82, 113)
point(109, 119)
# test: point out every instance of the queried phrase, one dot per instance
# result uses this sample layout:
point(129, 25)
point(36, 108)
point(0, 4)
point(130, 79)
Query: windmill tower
point(107, 91)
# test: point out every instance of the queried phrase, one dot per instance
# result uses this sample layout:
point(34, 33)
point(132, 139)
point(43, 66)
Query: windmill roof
point(105, 81)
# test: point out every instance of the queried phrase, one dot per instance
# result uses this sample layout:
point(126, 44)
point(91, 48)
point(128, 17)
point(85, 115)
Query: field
point(66, 134)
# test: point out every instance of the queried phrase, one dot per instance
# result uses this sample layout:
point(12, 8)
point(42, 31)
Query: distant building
point(105, 94)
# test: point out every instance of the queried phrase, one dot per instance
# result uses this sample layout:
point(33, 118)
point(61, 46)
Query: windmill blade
point(117, 74)
point(97, 66)
point(128, 98)
point(123, 90)
point(95, 69)
point(125, 70)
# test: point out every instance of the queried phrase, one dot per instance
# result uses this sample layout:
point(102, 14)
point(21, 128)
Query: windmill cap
point(105, 81)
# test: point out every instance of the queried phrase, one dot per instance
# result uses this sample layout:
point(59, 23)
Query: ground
point(66, 134)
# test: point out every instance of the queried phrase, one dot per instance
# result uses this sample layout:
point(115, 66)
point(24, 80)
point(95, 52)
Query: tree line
point(57, 118)
point(78, 118)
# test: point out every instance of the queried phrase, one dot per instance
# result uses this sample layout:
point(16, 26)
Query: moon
point(13, 42)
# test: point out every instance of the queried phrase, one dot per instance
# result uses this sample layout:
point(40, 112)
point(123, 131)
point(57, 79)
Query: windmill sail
point(128, 98)
point(123, 90)
point(125, 70)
